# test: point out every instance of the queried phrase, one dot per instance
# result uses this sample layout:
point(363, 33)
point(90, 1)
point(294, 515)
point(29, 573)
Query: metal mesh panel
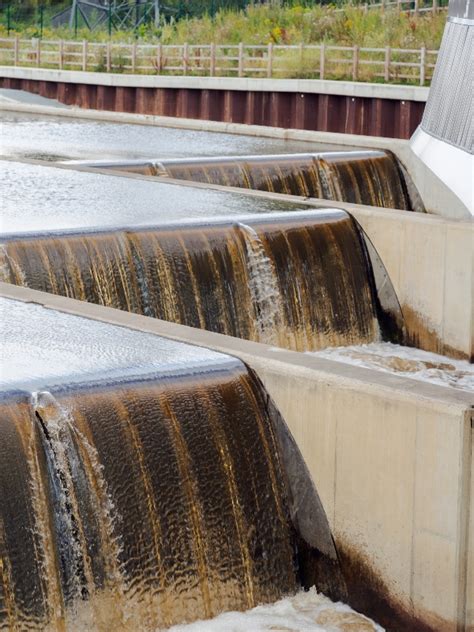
point(449, 113)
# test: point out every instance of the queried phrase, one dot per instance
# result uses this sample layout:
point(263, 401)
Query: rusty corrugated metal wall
point(319, 112)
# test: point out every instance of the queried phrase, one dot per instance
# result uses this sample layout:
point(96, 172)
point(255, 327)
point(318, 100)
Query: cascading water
point(266, 295)
point(374, 177)
point(221, 276)
point(137, 502)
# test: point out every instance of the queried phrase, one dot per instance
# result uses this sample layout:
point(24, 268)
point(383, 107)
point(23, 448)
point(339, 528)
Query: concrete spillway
point(144, 485)
point(375, 178)
point(301, 280)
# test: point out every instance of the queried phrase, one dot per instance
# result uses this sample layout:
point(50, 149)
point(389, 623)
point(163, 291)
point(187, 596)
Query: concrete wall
point(431, 264)
point(392, 461)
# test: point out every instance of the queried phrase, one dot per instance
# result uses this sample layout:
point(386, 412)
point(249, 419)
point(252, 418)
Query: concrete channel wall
point(392, 461)
point(334, 106)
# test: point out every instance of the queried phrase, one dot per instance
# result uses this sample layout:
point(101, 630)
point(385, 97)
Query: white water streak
point(264, 289)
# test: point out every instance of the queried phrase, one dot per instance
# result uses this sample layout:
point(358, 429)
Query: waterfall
point(263, 283)
point(137, 505)
point(300, 280)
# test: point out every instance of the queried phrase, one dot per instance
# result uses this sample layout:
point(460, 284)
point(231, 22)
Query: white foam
point(407, 362)
point(304, 612)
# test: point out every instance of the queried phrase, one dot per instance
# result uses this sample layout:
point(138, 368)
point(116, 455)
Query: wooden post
point(134, 56)
point(108, 55)
point(212, 60)
point(159, 58)
point(61, 54)
point(399, 6)
point(84, 55)
point(417, 6)
point(322, 60)
point(270, 60)
point(241, 59)
point(355, 63)
point(387, 64)
point(435, 6)
point(16, 51)
point(38, 52)
point(185, 59)
point(422, 65)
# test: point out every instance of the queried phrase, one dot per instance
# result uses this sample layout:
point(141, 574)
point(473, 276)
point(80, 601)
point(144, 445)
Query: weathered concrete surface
point(349, 107)
point(392, 460)
point(437, 197)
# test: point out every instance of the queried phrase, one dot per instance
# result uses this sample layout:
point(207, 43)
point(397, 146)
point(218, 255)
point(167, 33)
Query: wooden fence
point(413, 66)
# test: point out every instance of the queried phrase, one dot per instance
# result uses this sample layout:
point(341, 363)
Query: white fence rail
point(407, 6)
point(355, 63)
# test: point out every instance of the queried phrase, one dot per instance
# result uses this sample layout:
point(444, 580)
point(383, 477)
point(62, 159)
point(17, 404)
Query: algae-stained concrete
point(392, 460)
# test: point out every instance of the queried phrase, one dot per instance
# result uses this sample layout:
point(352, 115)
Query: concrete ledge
point(429, 259)
point(392, 460)
point(342, 88)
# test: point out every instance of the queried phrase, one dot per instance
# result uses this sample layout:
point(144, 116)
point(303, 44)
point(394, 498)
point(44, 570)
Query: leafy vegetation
point(264, 23)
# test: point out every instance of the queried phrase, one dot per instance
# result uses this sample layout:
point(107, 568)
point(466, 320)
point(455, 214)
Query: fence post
point(399, 6)
point(417, 6)
point(41, 20)
point(16, 51)
point(9, 19)
point(435, 6)
point(109, 18)
point(355, 63)
point(212, 60)
point(241, 59)
point(75, 19)
point(322, 60)
point(84, 55)
point(185, 59)
point(38, 52)
point(61, 54)
point(134, 56)
point(108, 55)
point(422, 65)
point(159, 58)
point(270, 60)
point(387, 64)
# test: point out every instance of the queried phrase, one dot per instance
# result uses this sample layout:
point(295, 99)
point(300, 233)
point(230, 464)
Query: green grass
point(263, 24)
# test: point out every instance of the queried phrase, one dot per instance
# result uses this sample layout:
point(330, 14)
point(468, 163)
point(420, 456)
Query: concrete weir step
point(391, 458)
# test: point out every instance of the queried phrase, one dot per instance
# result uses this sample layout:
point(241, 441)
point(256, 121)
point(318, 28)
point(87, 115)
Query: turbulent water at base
point(407, 362)
point(303, 612)
point(142, 505)
point(301, 280)
point(375, 178)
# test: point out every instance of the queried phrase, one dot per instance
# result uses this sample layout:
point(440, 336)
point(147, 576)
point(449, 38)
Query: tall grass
point(262, 24)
